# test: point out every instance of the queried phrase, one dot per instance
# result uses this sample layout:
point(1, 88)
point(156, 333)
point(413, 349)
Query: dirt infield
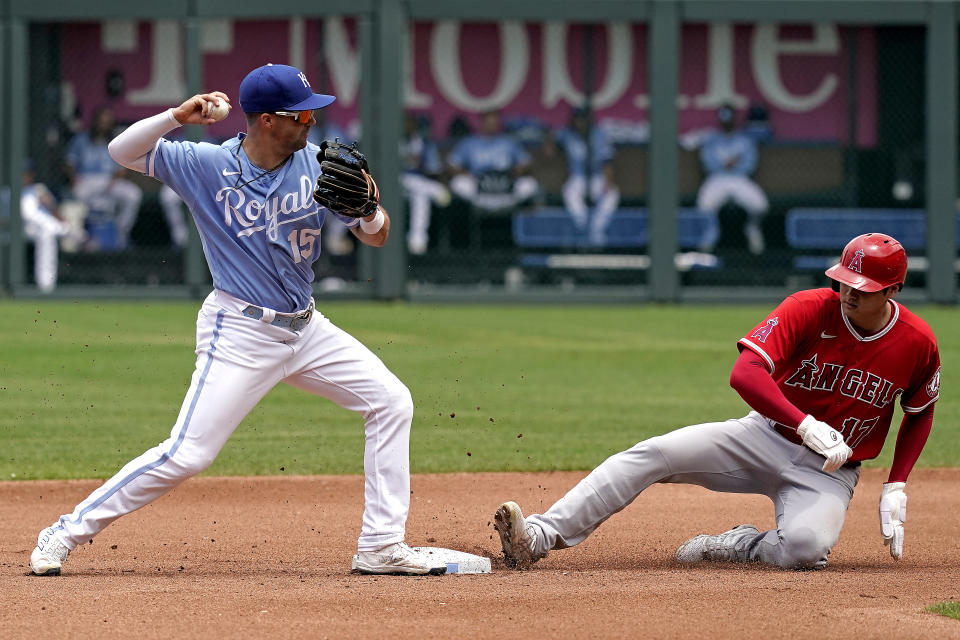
point(270, 557)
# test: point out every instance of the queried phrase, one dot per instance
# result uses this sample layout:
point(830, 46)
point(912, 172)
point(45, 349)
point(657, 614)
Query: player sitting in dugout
point(492, 169)
point(821, 374)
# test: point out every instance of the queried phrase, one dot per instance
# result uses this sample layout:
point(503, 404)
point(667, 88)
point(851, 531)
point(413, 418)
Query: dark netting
point(502, 186)
point(89, 80)
point(798, 138)
point(833, 116)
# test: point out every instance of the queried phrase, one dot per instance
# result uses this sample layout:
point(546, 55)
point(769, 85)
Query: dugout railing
point(381, 25)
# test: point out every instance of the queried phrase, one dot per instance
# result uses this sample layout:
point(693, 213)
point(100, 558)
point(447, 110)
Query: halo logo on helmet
point(871, 262)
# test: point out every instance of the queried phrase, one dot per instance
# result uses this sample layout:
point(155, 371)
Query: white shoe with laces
point(396, 559)
point(49, 555)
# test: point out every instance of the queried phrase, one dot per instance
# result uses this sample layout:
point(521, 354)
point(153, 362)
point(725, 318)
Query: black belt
point(292, 321)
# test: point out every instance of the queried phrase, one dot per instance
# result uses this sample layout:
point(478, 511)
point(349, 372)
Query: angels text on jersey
point(854, 383)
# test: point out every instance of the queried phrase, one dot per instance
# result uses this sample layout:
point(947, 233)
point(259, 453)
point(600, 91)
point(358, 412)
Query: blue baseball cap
point(279, 87)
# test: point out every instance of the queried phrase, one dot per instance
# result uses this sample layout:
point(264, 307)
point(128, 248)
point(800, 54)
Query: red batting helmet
point(871, 262)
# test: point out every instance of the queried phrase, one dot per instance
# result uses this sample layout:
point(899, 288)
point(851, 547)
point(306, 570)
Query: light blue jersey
point(480, 154)
point(260, 231)
point(720, 148)
point(575, 148)
point(418, 154)
point(90, 158)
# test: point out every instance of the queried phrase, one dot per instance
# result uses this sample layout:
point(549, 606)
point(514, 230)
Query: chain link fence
point(93, 222)
point(792, 139)
point(540, 142)
point(524, 151)
point(814, 138)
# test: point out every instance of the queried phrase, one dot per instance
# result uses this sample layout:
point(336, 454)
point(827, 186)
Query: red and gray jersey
point(827, 368)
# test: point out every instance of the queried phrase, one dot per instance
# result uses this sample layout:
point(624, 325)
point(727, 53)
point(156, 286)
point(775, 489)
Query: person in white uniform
point(38, 208)
point(420, 181)
point(251, 198)
point(603, 191)
point(729, 158)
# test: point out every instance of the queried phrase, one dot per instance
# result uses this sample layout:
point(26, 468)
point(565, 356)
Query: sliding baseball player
point(821, 373)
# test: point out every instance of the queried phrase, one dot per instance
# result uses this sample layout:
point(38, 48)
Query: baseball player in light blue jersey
point(603, 190)
point(729, 158)
point(97, 181)
point(491, 167)
point(252, 200)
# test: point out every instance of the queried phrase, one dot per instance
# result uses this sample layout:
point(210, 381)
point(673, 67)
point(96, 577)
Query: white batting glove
point(893, 513)
point(825, 440)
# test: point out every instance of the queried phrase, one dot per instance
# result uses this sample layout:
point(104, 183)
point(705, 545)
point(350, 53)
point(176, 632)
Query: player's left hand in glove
point(825, 440)
point(345, 185)
point(893, 513)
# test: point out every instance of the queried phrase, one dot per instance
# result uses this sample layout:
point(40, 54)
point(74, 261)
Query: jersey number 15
point(302, 243)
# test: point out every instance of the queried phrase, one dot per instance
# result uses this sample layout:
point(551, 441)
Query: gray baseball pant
point(745, 455)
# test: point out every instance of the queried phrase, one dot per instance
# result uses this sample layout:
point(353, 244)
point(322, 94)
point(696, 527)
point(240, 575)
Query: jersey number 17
point(854, 431)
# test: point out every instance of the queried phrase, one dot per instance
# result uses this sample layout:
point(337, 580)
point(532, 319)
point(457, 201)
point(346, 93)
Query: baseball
point(218, 112)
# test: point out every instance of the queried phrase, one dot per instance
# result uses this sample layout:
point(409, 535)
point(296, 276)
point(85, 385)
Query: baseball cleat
point(718, 548)
point(516, 537)
point(396, 559)
point(48, 557)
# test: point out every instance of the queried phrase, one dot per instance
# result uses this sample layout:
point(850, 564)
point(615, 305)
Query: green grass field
point(949, 609)
point(86, 386)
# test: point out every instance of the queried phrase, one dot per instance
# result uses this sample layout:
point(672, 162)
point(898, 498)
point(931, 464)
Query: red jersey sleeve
point(927, 388)
point(750, 379)
point(914, 430)
point(780, 335)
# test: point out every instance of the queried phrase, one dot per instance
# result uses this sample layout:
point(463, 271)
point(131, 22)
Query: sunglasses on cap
point(303, 117)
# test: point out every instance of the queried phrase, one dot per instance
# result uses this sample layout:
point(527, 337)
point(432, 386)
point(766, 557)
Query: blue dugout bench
point(552, 228)
point(830, 229)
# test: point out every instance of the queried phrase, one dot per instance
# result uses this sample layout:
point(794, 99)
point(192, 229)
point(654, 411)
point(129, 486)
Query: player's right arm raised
point(130, 148)
point(195, 110)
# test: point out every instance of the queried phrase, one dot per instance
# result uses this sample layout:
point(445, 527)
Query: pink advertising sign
point(800, 73)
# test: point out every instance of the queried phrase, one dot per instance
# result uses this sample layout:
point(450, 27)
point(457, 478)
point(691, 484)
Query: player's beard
point(301, 141)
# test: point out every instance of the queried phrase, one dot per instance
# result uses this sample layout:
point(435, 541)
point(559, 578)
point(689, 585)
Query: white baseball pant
point(465, 186)
point(719, 188)
point(44, 229)
point(124, 195)
point(606, 197)
point(736, 456)
point(420, 191)
point(239, 360)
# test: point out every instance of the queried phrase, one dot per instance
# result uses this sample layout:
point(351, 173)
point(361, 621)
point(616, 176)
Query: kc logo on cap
point(279, 87)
